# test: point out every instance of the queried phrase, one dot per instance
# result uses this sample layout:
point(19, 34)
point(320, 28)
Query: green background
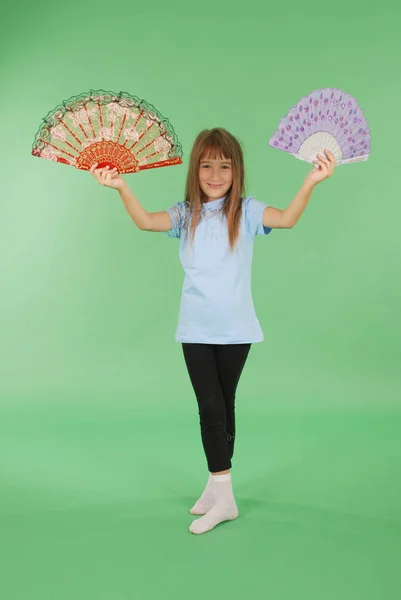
point(100, 450)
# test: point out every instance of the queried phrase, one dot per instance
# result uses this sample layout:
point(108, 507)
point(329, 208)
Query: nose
point(215, 175)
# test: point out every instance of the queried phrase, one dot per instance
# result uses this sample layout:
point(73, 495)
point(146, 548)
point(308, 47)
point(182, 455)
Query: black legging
point(214, 370)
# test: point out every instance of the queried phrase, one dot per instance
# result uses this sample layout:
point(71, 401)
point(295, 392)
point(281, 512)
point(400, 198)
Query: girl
point(216, 225)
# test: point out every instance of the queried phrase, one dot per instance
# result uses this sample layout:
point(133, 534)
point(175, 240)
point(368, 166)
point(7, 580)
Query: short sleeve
point(254, 215)
point(177, 214)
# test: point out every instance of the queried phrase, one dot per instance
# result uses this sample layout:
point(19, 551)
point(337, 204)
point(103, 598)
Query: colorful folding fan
point(327, 118)
point(117, 130)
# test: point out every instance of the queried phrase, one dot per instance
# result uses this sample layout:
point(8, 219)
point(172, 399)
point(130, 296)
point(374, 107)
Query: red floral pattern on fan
point(115, 130)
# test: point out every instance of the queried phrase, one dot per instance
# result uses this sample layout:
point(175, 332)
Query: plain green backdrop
point(100, 452)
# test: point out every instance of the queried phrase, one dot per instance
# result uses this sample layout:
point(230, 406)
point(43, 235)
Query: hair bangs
point(216, 146)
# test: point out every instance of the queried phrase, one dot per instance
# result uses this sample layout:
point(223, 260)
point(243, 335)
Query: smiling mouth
point(215, 185)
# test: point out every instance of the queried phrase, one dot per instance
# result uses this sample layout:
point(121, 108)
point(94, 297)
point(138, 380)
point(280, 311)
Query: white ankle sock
point(206, 500)
point(224, 507)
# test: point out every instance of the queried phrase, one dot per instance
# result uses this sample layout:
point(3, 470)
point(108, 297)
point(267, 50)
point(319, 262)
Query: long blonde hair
point(216, 143)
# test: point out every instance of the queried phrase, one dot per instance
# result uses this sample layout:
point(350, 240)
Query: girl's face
point(215, 177)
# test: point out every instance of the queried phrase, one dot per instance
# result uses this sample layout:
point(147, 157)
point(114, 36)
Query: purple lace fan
point(327, 118)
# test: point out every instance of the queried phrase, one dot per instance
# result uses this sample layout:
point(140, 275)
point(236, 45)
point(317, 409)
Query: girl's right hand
point(107, 177)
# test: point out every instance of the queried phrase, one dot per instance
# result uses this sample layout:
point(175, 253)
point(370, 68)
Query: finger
point(101, 169)
point(324, 167)
point(108, 177)
point(321, 167)
point(330, 157)
point(331, 160)
point(323, 159)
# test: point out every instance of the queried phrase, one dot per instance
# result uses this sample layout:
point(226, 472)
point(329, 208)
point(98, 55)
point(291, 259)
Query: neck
point(206, 200)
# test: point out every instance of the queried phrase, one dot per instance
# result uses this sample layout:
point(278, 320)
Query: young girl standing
point(216, 225)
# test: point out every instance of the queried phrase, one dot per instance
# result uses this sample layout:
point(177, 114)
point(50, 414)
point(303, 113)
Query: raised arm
point(144, 220)
point(158, 221)
point(288, 218)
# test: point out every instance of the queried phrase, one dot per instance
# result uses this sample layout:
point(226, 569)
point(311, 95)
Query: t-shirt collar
point(213, 203)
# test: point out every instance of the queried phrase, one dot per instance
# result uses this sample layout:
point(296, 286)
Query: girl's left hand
point(325, 168)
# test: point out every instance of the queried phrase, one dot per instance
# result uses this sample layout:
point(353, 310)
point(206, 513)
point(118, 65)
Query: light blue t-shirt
point(216, 300)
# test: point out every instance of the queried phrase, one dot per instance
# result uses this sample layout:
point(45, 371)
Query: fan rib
point(121, 128)
point(89, 119)
point(64, 141)
point(163, 163)
point(140, 137)
point(60, 149)
point(72, 133)
point(80, 125)
point(147, 146)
